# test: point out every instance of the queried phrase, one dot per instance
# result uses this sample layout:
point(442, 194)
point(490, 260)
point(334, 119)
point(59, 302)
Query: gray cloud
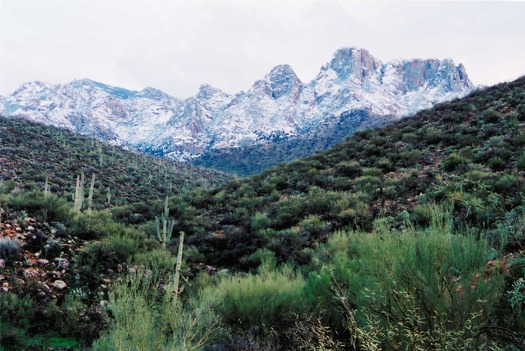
point(178, 45)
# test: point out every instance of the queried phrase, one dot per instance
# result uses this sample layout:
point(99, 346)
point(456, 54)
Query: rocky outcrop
point(42, 258)
point(356, 62)
point(284, 81)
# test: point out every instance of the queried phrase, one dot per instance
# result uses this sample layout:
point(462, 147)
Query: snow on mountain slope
point(87, 107)
point(275, 108)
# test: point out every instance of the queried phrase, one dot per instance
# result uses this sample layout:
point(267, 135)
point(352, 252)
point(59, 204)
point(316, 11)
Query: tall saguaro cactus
point(179, 262)
point(78, 197)
point(164, 225)
point(46, 186)
point(90, 196)
point(108, 195)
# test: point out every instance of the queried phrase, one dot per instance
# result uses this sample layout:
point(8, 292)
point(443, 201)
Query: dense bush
point(436, 277)
point(269, 299)
point(96, 225)
point(9, 249)
point(33, 326)
point(148, 315)
point(48, 208)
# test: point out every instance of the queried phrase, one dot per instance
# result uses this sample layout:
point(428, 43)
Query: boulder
point(60, 284)
point(63, 263)
point(45, 288)
point(42, 262)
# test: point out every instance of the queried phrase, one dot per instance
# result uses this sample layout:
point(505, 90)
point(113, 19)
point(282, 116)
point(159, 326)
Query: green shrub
point(193, 256)
point(160, 261)
point(314, 227)
point(47, 208)
point(10, 249)
point(11, 338)
point(455, 162)
point(369, 184)
point(348, 168)
point(260, 221)
point(518, 140)
point(435, 276)
point(516, 295)
point(432, 135)
point(99, 256)
point(268, 299)
point(260, 257)
point(147, 315)
point(38, 325)
point(373, 172)
point(135, 213)
point(490, 116)
point(19, 311)
point(409, 138)
point(96, 225)
point(385, 164)
point(497, 163)
point(53, 248)
point(7, 186)
point(506, 183)
point(409, 158)
point(520, 163)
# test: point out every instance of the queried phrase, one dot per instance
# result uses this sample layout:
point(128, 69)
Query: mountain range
point(354, 90)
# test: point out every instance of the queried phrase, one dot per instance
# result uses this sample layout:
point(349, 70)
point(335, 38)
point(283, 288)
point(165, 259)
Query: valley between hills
point(278, 119)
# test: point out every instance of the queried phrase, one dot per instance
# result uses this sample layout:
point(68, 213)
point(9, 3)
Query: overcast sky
point(178, 45)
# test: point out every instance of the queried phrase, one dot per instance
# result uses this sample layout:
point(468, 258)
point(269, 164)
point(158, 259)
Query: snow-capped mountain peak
point(275, 108)
point(283, 81)
point(154, 94)
point(31, 88)
point(353, 61)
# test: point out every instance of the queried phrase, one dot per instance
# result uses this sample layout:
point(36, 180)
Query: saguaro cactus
point(90, 196)
point(108, 195)
point(78, 197)
point(179, 262)
point(164, 225)
point(46, 186)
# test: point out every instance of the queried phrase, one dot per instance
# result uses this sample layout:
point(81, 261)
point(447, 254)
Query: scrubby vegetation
point(408, 237)
point(34, 156)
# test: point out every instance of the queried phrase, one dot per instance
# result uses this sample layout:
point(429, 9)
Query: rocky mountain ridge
point(277, 108)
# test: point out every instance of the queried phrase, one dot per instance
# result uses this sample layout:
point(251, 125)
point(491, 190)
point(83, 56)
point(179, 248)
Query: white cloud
point(178, 45)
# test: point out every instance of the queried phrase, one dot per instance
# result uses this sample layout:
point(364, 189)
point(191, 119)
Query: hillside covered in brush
point(468, 153)
point(31, 152)
point(406, 237)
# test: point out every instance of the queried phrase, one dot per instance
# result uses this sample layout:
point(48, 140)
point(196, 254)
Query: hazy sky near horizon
point(178, 45)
